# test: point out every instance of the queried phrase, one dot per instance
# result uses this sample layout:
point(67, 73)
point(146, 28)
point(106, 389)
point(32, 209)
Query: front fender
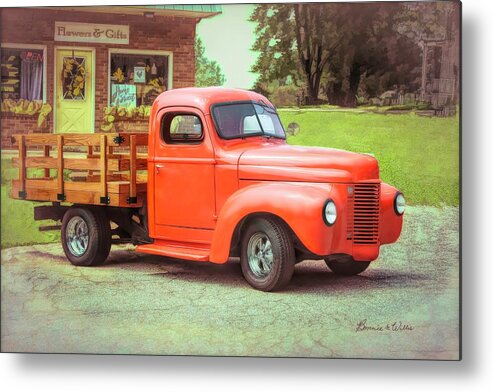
point(390, 222)
point(300, 205)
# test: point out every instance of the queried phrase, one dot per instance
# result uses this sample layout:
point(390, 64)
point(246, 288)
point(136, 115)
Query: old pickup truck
point(213, 179)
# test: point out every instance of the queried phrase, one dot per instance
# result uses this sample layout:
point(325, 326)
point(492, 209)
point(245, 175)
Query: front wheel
point(267, 255)
point(346, 265)
point(86, 236)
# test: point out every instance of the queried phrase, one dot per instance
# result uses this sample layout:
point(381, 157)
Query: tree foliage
point(371, 57)
point(277, 60)
point(420, 21)
point(207, 72)
point(341, 50)
point(290, 39)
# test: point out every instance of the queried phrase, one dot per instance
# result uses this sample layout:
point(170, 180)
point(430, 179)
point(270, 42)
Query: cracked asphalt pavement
point(406, 305)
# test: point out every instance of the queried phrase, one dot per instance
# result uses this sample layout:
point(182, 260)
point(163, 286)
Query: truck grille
point(365, 203)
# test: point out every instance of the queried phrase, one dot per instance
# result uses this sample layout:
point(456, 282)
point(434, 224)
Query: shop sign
point(124, 95)
point(88, 32)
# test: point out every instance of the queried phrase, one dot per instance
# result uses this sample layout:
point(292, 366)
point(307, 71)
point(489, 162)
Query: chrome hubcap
point(77, 236)
point(259, 253)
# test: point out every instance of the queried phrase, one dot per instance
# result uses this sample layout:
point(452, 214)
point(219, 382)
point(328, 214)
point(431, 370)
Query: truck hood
point(311, 164)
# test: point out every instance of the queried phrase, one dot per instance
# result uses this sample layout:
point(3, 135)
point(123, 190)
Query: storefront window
point(137, 79)
point(21, 74)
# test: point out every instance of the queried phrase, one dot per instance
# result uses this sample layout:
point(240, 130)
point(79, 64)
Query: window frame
point(124, 51)
point(11, 45)
point(166, 139)
point(229, 103)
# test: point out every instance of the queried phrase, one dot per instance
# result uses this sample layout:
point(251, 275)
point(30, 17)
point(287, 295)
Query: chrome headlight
point(399, 203)
point(329, 212)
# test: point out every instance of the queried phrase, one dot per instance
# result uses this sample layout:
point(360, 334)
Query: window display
point(148, 73)
point(21, 74)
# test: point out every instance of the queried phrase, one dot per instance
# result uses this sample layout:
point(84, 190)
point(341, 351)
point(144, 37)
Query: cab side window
point(181, 128)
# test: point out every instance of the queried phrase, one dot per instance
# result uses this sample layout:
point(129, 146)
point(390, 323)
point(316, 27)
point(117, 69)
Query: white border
point(10, 45)
point(93, 74)
point(44, 372)
point(141, 52)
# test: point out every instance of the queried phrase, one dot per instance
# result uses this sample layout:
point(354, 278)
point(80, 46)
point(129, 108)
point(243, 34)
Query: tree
point(314, 29)
point(371, 52)
point(274, 42)
point(425, 21)
point(333, 47)
point(292, 41)
point(207, 72)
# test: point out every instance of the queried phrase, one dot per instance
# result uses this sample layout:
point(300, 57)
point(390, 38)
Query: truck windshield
point(244, 119)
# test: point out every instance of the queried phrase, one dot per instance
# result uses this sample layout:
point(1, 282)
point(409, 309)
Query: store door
point(74, 111)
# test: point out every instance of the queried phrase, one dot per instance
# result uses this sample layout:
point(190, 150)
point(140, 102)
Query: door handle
point(158, 168)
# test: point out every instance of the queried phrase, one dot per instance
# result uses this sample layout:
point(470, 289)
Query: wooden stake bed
point(100, 169)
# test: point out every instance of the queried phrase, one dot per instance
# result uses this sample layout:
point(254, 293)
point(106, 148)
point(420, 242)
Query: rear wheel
point(267, 255)
point(86, 236)
point(346, 265)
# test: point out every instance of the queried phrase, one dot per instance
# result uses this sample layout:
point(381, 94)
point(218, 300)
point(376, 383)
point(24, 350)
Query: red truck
point(213, 179)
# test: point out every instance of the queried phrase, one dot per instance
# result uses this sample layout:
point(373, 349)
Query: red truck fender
point(390, 222)
point(299, 205)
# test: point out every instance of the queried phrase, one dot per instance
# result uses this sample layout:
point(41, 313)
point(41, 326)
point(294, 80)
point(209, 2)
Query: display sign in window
point(124, 95)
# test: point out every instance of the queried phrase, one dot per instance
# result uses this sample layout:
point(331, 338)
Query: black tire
point(346, 265)
point(281, 256)
point(95, 247)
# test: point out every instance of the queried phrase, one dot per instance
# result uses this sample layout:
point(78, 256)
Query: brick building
point(78, 61)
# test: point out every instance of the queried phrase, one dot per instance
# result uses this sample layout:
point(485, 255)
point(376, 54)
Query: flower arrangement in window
point(26, 107)
point(119, 76)
point(116, 113)
point(74, 78)
point(156, 83)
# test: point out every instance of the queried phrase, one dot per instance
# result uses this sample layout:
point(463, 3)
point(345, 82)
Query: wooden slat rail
point(22, 167)
point(60, 195)
point(89, 153)
point(92, 164)
point(36, 163)
point(132, 198)
point(102, 169)
point(108, 171)
point(71, 139)
point(46, 151)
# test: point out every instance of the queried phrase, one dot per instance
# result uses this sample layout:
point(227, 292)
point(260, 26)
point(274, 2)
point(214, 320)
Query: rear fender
point(299, 205)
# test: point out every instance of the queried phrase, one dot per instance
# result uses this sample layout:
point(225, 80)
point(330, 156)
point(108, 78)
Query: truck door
point(183, 170)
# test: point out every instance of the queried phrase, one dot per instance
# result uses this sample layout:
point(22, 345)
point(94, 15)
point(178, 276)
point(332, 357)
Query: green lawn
point(418, 155)
point(17, 225)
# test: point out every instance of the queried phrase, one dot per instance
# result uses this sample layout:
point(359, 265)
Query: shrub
point(361, 100)
point(285, 96)
point(293, 129)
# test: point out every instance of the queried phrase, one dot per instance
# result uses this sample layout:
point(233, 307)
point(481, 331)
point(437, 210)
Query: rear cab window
point(182, 128)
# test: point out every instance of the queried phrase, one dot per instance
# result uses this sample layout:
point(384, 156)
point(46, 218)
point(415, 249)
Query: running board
point(194, 252)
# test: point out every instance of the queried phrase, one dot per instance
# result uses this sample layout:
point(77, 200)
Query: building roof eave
point(200, 10)
point(185, 11)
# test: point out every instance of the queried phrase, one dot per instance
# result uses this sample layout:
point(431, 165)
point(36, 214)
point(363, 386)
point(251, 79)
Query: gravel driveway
point(406, 305)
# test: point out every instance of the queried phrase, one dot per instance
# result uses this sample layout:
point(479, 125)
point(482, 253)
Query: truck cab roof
point(204, 97)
